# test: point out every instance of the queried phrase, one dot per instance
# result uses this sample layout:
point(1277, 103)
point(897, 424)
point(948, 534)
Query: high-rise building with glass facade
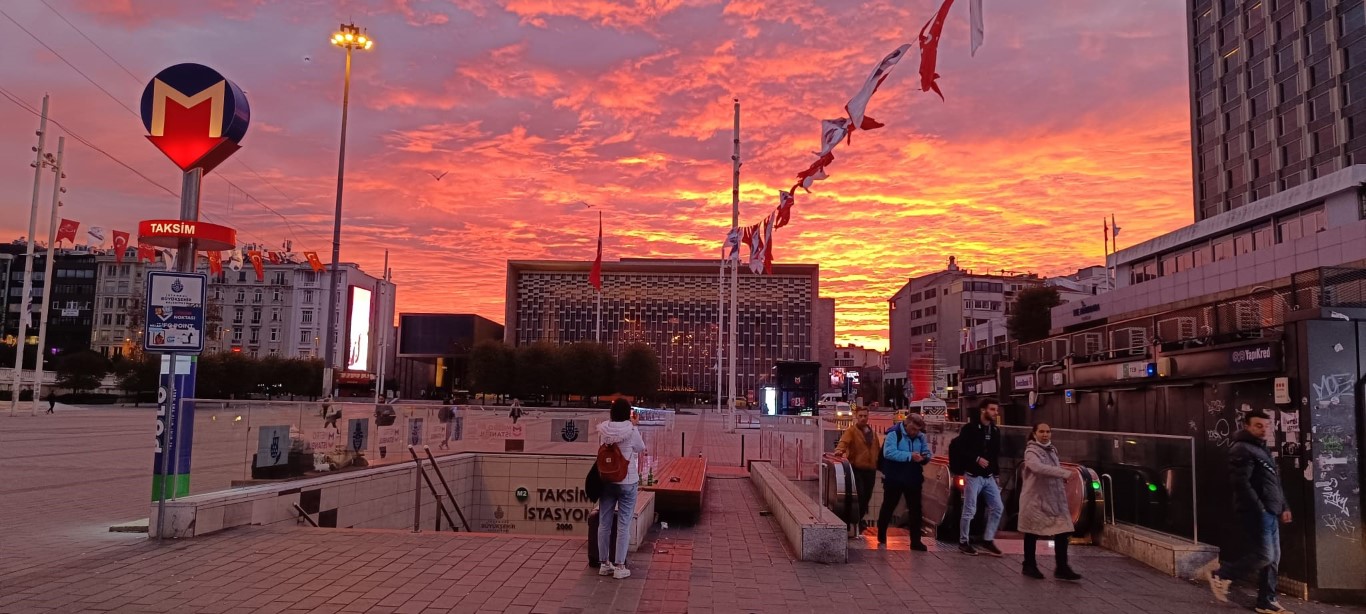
point(672, 306)
point(1278, 96)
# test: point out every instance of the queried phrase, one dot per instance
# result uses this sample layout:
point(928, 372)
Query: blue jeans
point(972, 487)
point(618, 503)
point(1264, 556)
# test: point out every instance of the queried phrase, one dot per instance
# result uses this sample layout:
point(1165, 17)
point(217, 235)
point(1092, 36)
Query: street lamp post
point(349, 37)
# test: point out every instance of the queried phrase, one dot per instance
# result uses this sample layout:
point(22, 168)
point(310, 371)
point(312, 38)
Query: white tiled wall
point(484, 485)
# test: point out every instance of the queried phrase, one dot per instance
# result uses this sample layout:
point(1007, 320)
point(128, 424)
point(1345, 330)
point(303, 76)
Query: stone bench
point(1169, 554)
point(816, 533)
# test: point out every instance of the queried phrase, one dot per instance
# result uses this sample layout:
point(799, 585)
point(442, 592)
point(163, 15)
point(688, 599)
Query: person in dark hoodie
point(618, 502)
point(905, 452)
point(982, 441)
point(1259, 508)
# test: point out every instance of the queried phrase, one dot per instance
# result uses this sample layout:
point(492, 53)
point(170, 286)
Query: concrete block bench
point(815, 533)
point(1175, 556)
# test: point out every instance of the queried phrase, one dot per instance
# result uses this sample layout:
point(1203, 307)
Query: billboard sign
point(358, 331)
point(175, 312)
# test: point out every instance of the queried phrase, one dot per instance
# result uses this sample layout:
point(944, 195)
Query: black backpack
point(881, 459)
point(958, 451)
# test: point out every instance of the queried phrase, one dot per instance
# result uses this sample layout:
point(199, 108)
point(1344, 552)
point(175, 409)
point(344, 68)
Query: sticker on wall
point(568, 430)
point(415, 431)
point(358, 434)
point(272, 448)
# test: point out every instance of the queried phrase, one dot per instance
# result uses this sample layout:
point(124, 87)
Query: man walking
point(863, 448)
point(906, 451)
point(51, 401)
point(981, 442)
point(1259, 508)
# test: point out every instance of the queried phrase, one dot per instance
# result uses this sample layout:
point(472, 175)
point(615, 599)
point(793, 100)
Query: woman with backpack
point(618, 454)
point(905, 452)
point(1044, 513)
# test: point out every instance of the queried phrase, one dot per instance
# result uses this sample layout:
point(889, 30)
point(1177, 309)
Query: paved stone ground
point(76, 473)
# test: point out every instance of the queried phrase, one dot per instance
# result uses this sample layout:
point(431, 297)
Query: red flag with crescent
point(255, 256)
point(595, 275)
point(215, 261)
point(66, 231)
point(120, 245)
point(314, 262)
point(929, 49)
point(274, 257)
point(147, 253)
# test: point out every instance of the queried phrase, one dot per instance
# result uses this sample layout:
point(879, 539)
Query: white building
point(1316, 224)
point(936, 317)
point(282, 315)
point(857, 357)
point(1084, 284)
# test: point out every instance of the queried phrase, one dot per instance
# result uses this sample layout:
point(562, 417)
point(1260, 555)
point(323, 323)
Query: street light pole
point(350, 37)
point(25, 314)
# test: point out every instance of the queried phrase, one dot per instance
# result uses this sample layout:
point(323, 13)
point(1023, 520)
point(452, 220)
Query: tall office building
point(1277, 90)
point(70, 309)
point(671, 305)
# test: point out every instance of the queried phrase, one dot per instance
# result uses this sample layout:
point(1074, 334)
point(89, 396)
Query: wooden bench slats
point(686, 493)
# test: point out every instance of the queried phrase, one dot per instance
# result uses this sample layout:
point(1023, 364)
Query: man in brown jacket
point(862, 447)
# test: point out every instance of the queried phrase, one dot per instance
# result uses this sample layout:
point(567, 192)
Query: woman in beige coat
point(1043, 504)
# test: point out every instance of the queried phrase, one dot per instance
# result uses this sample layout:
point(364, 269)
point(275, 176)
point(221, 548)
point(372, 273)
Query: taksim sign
point(169, 234)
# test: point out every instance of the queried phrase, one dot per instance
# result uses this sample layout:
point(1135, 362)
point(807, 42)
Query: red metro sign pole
point(197, 118)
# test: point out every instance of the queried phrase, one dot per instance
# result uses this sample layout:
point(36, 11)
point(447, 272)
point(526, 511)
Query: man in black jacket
point(1259, 507)
point(981, 439)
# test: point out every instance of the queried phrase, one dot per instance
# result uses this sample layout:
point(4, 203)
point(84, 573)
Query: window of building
point(1170, 265)
point(255, 335)
point(1263, 237)
point(308, 297)
point(305, 336)
point(108, 302)
point(118, 350)
point(107, 319)
point(1185, 261)
point(275, 315)
point(1313, 9)
point(255, 315)
point(306, 316)
point(1223, 248)
point(1351, 20)
point(237, 316)
point(931, 310)
point(241, 276)
point(256, 297)
point(121, 320)
point(1201, 256)
point(237, 335)
point(123, 287)
point(241, 296)
point(274, 334)
point(1242, 243)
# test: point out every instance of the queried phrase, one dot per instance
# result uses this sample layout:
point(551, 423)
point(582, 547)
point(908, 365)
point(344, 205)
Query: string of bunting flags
point(236, 258)
point(758, 237)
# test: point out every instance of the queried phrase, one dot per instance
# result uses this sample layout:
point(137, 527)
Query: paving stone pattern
point(78, 472)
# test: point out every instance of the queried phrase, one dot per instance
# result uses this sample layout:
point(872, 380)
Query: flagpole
point(25, 310)
point(48, 281)
point(735, 270)
point(720, 324)
point(597, 335)
point(1108, 284)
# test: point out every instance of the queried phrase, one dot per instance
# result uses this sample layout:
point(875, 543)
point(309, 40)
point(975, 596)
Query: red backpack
point(612, 464)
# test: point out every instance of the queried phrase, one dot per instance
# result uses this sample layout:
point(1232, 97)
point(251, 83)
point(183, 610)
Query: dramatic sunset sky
point(1073, 109)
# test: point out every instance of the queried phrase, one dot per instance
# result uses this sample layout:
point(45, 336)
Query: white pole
point(597, 335)
point(735, 270)
point(720, 324)
point(384, 332)
point(24, 299)
point(48, 281)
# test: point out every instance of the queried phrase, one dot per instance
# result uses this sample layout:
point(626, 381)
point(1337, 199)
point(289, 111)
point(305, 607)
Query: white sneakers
point(618, 572)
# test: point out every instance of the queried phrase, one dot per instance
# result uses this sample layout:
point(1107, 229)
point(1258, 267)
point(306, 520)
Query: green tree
point(638, 370)
point(81, 371)
point(537, 367)
point(588, 369)
point(491, 368)
point(1033, 317)
point(140, 375)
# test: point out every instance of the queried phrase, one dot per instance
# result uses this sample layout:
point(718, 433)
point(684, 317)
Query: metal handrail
point(451, 496)
point(417, 461)
point(304, 515)
point(1108, 511)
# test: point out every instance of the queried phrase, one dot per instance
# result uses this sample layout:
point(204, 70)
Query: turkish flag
point(274, 257)
point(66, 231)
point(120, 245)
point(929, 49)
point(595, 276)
point(147, 252)
point(215, 262)
point(785, 202)
point(255, 256)
point(314, 262)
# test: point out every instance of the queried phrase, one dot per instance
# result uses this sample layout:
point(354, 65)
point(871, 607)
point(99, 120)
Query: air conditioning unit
point(1176, 329)
point(1129, 341)
point(1087, 344)
point(1247, 316)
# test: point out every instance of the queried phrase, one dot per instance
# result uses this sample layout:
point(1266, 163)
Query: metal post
point(24, 298)
point(417, 495)
point(683, 443)
point(1195, 495)
point(742, 450)
point(735, 268)
point(384, 332)
point(329, 362)
point(172, 423)
point(48, 280)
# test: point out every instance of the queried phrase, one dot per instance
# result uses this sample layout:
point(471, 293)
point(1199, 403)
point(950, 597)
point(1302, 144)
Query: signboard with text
point(175, 312)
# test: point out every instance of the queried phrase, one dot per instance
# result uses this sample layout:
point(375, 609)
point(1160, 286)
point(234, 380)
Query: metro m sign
point(194, 116)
